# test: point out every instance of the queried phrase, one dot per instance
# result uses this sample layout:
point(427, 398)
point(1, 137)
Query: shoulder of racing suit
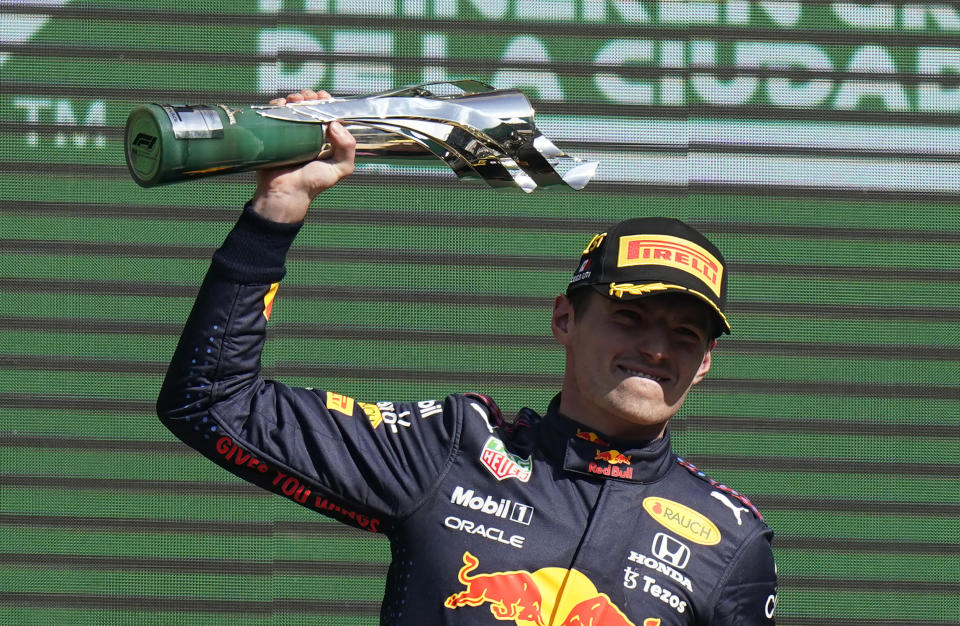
point(746, 582)
point(516, 432)
point(726, 495)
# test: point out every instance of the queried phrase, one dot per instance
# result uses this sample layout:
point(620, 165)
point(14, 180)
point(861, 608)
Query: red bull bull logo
point(534, 598)
point(512, 595)
point(612, 458)
point(591, 437)
point(598, 611)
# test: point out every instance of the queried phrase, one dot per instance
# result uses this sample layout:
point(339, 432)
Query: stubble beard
point(641, 410)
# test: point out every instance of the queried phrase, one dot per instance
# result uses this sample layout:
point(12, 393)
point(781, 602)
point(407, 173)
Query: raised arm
point(321, 449)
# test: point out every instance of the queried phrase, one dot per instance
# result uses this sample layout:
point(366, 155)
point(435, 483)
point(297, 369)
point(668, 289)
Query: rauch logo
point(682, 520)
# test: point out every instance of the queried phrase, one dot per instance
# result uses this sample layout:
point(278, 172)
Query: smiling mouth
point(638, 373)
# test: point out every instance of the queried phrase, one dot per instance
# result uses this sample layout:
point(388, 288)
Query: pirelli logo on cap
point(674, 252)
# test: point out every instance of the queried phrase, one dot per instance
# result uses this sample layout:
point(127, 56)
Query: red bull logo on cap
point(672, 252)
point(531, 598)
point(682, 520)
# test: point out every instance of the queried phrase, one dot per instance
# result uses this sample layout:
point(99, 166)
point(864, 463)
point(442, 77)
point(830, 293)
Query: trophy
point(479, 132)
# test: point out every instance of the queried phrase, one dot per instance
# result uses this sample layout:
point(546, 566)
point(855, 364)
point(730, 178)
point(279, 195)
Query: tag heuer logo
point(503, 464)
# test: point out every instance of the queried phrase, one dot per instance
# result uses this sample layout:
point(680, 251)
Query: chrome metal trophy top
point(479, 133)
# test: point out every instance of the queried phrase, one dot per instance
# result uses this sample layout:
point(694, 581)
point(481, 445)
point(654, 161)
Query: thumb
point(344, 148)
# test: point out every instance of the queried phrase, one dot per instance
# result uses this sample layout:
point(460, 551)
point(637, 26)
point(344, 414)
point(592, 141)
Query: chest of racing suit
point(536, 522)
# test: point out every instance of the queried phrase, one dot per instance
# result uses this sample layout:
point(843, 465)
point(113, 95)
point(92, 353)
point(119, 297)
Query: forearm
point(320, 449)
point(209, 363)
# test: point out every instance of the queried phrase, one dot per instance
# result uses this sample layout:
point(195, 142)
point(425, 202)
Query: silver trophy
point(480, 133)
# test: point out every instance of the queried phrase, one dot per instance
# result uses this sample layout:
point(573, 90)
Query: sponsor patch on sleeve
point(339, 403)
point(268, 300)
point(373, 413)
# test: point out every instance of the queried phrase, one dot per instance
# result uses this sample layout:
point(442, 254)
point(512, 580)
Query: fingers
point(300, 96)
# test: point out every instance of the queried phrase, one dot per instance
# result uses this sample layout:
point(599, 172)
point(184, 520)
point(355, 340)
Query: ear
point(562, 321)
point(705, 364)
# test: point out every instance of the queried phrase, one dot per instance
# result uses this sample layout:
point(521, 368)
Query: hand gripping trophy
point(480, 133)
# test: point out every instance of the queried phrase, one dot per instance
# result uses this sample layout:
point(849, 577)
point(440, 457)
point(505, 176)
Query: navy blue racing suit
point(536, 520)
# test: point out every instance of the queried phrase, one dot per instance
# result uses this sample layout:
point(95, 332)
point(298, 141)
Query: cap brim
point(633, 291)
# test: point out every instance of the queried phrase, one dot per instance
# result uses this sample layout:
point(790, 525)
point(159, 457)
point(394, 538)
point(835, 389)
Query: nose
point(651, 340)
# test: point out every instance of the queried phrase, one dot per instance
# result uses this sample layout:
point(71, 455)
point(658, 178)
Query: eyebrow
point(692, 316)
point(692, 308)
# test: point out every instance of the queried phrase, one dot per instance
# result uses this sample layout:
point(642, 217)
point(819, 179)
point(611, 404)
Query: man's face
point(630, 363)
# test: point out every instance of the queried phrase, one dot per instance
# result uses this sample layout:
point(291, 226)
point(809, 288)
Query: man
point(581, 517)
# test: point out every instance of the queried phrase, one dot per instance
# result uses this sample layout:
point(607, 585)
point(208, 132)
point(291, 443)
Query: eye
point(628, 316)
point(692, 332)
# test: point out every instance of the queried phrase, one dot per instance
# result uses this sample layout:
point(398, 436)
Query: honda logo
point(670, 550)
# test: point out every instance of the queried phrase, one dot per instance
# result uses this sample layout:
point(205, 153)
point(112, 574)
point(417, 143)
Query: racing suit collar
point(593, 454)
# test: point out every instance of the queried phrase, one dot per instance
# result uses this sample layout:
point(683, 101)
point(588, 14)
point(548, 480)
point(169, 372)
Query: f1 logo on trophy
point(480, 133)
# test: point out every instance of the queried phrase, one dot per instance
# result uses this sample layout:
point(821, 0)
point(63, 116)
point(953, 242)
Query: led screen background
point(815, 142)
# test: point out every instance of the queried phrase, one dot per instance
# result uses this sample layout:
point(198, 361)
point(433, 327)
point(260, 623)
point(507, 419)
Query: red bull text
point(611, 458)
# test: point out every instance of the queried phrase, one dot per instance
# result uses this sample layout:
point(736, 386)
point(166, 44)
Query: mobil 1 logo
point(504, 508)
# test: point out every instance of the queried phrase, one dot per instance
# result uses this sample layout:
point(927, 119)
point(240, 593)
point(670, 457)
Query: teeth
point(642, 375)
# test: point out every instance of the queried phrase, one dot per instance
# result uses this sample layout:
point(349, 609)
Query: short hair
point(579, 299)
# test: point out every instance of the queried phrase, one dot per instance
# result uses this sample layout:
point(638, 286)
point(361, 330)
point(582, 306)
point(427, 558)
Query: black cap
point(648, 256)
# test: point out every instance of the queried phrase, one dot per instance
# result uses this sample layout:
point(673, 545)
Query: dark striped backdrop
point(830, 182)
